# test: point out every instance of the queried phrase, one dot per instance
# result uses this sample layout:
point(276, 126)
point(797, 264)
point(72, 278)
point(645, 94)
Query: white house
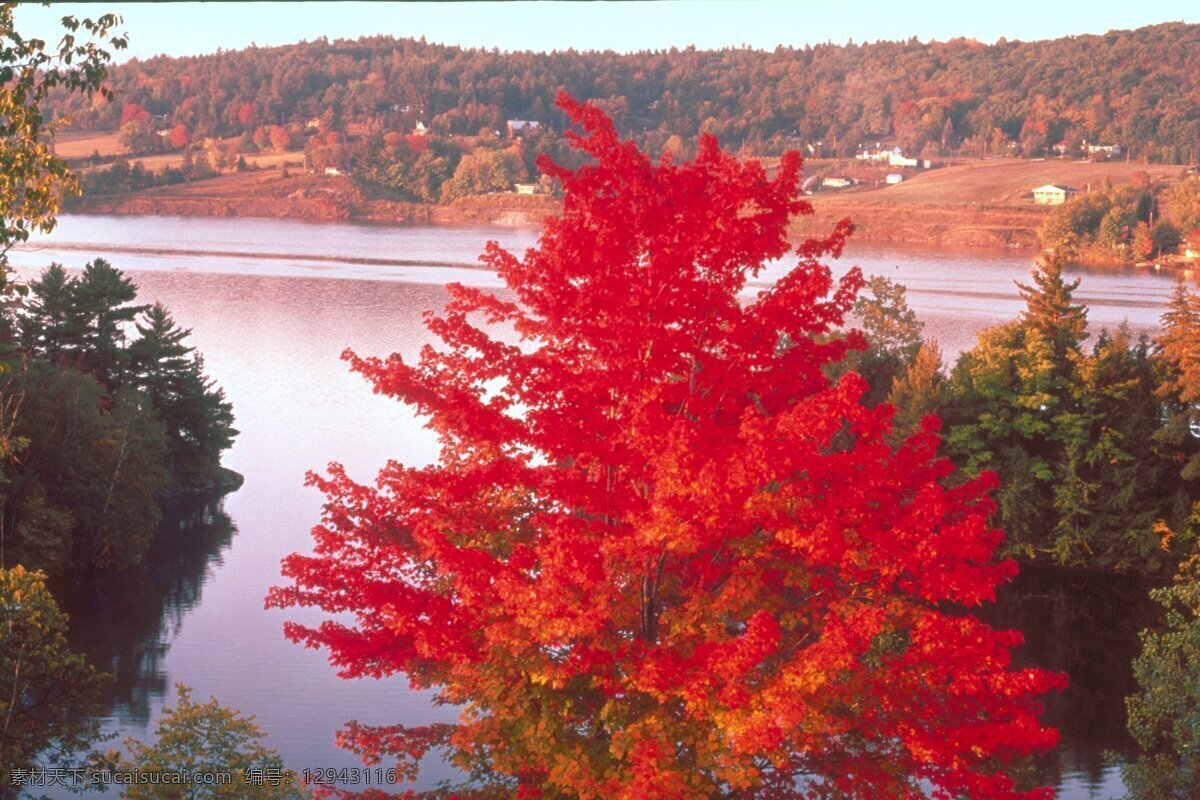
point(1110, 150)
point(837, 182)
point(420, 130)
point(525, 188)
point(522, 127)
point(894, 157)
point(878, 154)
point(1053, 194)
point(894, 178)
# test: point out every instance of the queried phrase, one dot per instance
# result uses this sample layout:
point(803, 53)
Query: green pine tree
point(198, 418)
point(1050, 310)
point(52, 325)
point(104, 297)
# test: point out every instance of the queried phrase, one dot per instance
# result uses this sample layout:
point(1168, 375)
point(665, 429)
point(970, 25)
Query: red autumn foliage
point(132, 112)
point(246, 114)
point(180, 138)
point(417, 143)
point(662, 555)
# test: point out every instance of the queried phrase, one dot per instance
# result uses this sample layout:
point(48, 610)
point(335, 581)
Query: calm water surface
point(273, 303)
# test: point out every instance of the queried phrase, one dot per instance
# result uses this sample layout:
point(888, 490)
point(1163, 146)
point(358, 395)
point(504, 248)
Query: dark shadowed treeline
point(110, 411)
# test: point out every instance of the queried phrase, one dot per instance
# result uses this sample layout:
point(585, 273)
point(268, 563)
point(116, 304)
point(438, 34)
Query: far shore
point(267, 195)
point(978, 205)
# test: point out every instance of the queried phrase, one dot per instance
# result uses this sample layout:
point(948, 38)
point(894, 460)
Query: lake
point(272, 304)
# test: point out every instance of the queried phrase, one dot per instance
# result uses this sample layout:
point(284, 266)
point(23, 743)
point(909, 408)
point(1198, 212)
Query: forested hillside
point(1136, 88)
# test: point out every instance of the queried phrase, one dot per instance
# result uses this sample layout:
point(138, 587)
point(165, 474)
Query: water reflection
point(125, 622)
point(1086, 625)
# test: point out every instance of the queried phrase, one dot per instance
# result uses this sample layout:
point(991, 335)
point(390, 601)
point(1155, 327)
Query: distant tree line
point(110, 410)
point(1135, 88)
point(121, 176)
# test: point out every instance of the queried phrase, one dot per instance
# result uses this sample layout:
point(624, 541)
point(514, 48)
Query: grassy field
point(999, 182)
point(78, 146)
point(74, 145)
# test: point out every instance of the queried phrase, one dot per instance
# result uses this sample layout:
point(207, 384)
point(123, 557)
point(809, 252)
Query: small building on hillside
point(525, 188)
point(420, 130)
point(521, 127)
point(837, 182)
point(877, 154)
point(1191, 245)
point(894, 178)
point(1103, 150)
point(893, 158)
point(312, 124)
point(333, 171)
point(1053, 194)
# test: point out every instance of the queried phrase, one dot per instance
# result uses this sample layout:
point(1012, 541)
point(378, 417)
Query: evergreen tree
point(52, 325)
point(1178, 364)
point(201, 427)
point(1113, 487)
point(1085, 479)
point(103, 296)
point(919, 392)
point(1073, 435)
point(1002, 416)
point(159, 359)
point(1050, 310)
point(198, 418)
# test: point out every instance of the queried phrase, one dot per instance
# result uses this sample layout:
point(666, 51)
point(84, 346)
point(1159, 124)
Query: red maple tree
point(662, 555)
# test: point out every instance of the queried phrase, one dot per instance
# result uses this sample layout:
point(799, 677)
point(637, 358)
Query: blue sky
point(193, 28)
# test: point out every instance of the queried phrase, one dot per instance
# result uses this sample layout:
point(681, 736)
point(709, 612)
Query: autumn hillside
point(1136, 88)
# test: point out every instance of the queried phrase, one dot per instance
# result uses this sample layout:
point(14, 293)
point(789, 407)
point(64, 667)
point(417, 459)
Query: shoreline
point(952, 228)
point(267, 195)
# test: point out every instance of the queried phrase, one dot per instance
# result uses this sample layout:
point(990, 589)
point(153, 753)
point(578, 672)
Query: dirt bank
point(270, 194)
point(910, 223)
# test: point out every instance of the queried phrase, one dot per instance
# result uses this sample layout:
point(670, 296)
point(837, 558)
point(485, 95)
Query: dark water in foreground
point(272, 305)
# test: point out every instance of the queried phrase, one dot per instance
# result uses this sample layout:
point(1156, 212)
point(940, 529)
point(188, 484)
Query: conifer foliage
point(662, 555)
point(114, 413)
